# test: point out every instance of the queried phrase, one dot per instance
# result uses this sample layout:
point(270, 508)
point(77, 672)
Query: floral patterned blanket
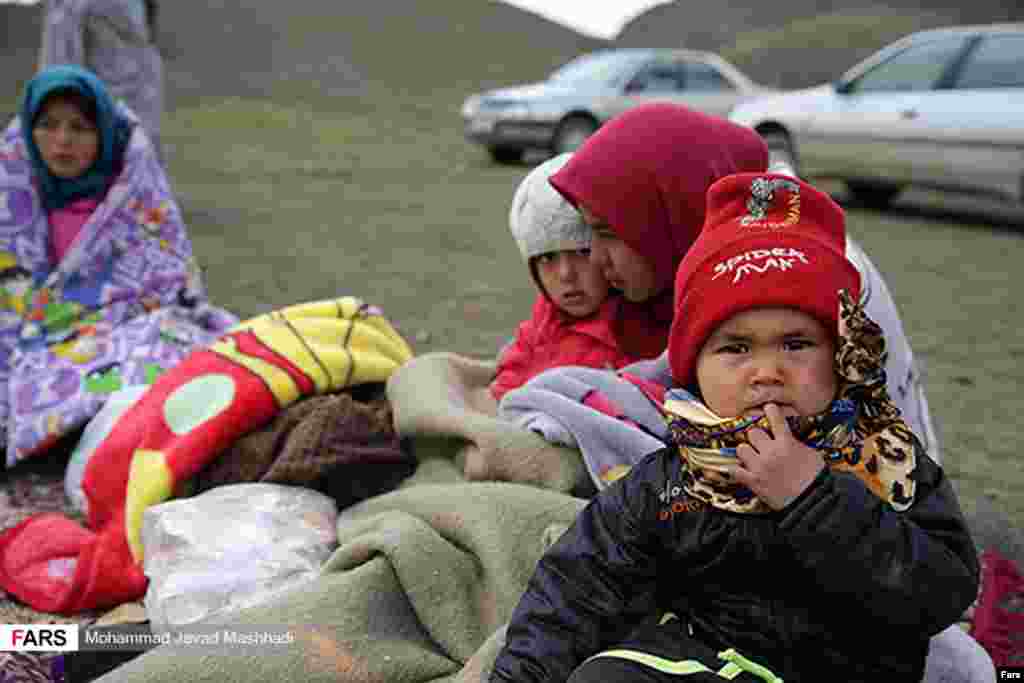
point(124, 304)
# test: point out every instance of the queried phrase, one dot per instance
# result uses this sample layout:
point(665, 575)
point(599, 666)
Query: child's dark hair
point(85, 104)
point(532, 264)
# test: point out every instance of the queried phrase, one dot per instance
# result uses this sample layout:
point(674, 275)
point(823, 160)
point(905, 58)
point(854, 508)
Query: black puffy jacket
point(838, 586)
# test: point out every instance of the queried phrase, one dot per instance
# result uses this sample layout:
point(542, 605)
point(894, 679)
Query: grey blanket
point(553, 404)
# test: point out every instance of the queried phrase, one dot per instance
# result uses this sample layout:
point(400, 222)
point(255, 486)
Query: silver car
point(942, 108)
point(561, 112)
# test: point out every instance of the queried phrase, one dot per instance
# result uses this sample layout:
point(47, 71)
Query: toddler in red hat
point(794, 529)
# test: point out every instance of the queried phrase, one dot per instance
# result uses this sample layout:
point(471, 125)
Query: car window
point(706, 78)
point(919, 67)
point(659, 77)
point(996, 62)
point(599, 67)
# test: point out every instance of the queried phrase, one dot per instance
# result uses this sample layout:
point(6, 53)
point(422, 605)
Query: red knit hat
point(768, 240)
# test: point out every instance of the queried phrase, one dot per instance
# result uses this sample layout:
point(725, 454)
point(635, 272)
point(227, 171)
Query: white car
point(561, 112)
point(942, 108)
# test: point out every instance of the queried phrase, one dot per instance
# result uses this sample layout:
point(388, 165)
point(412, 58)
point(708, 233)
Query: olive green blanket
point(423, 579)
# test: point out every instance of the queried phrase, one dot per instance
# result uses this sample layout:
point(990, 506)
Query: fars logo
point(38, 637)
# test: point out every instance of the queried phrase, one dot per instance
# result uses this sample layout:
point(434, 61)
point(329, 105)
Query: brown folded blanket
point(342, 444)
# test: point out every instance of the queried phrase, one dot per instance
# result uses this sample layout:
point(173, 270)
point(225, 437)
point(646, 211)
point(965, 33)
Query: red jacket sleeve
point(514, 366)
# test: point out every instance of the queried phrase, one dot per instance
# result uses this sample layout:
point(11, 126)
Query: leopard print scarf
point(861, 432)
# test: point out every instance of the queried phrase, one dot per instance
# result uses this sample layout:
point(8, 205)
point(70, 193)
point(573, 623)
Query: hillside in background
point(225, 48)
point(412, 47)
point(801, 42)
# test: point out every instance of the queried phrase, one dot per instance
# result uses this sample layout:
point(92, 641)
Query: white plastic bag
point(98, 428)
point(232, 547)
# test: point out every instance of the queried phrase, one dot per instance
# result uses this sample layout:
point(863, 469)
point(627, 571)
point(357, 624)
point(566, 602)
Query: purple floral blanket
point(126, 302)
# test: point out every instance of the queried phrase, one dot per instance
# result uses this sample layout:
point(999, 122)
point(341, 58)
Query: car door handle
point(908, 114)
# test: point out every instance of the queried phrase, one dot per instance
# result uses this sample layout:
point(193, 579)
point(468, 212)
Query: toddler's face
point(768, 355)
point(572, 282)
point(68, 141)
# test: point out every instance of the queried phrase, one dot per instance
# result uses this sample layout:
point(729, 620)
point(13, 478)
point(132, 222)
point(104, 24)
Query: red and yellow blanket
point(188, 416)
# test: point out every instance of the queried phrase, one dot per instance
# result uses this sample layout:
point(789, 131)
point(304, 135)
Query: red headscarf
point(645, 173)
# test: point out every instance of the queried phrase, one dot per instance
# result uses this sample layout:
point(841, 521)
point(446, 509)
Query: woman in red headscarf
point(640, 183)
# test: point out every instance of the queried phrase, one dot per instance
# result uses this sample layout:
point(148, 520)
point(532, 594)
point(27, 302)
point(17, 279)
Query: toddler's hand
point(777, 467)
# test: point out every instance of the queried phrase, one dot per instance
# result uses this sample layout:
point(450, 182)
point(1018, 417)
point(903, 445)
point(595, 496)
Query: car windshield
point(599, 67)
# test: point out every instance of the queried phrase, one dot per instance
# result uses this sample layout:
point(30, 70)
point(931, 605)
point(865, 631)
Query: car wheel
point(874, 195)
point(571, 133)
point(780, 150)
point(506, 155)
